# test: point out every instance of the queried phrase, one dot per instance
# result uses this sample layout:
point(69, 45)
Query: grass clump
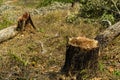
point(5, 23)
point(17, 59)
point(117, 73)
point(101, 66)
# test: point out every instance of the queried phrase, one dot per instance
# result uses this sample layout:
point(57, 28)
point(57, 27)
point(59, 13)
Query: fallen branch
point(114, 3)
point(43, 50)
point(107, 36)
point(8, 33)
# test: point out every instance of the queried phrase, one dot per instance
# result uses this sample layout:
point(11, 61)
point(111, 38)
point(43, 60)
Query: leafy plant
point(117, 73)
point(109, 17)
point(100, 8)
point(107, 20)
point(71, 18)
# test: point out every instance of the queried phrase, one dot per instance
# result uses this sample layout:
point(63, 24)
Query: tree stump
point(12, 31)
point(81, 56)
point(82, 53)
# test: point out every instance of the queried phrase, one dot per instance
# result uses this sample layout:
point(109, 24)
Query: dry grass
point(22, 57)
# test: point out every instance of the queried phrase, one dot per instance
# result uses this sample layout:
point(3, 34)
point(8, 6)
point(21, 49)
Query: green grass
point(101, 66)
point(17, 59)
point(48, 2)
point(117, 73)
point(5, 23)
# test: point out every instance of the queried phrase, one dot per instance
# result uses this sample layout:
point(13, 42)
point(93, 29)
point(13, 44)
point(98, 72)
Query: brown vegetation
point(23, 58)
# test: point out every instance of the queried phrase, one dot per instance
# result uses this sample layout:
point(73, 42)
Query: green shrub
point(107, 20)
point(101, 9)
point(96, 8)
point(92, 8)
point(71, 18)
point(109, 17)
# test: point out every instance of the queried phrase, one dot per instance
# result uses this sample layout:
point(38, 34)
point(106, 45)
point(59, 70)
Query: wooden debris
point(12, 31)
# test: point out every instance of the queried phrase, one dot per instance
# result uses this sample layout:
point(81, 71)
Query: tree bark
point(81, 54)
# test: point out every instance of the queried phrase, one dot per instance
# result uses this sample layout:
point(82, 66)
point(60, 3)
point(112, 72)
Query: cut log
point(81, 54)
point(8, 33)
point(105, 37)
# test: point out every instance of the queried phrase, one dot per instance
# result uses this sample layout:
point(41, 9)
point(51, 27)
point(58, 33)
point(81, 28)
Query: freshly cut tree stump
point(82, 53)
point(81, 56)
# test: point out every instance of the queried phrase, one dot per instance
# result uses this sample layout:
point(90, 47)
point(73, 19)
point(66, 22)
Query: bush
point(108, 17)
point(100, 8)
point(71, 18)
point(95, 9)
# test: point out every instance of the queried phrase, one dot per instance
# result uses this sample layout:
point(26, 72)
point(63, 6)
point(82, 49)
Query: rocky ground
point(39, 55)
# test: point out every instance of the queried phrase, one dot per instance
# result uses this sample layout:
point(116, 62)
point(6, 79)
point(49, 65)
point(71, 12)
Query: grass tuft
point(17, 59)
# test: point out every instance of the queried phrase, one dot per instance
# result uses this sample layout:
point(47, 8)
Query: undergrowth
point(4, 22)
point(25, 60)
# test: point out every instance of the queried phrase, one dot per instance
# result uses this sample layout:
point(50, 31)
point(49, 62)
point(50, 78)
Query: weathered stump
point(81, 56)
point(12, 31)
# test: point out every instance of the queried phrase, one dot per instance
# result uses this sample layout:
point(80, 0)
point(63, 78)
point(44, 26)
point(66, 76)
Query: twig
point(115, 6)
point(43, 49)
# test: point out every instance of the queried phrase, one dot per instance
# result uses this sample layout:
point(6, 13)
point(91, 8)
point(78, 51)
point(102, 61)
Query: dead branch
point(8, 33)
point(107, 36)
